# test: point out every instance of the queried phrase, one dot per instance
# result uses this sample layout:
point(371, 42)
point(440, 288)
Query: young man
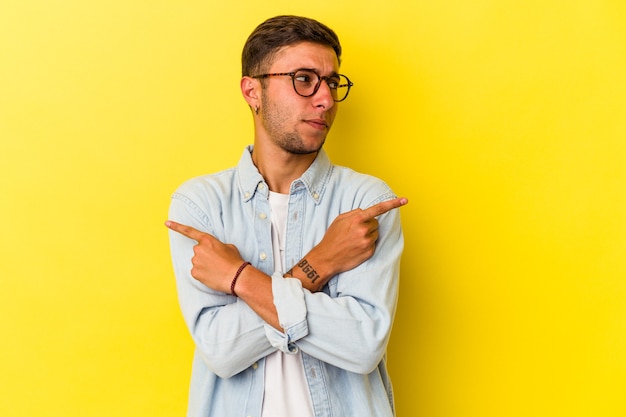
point(286, 265)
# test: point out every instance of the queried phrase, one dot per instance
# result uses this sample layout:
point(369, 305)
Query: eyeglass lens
point(306, 83)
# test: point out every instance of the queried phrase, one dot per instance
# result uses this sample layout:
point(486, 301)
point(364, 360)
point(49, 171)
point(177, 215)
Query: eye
point(333, 82)
point(305, 77)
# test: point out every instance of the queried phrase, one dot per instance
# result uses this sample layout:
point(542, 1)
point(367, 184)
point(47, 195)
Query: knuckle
point(365, 243)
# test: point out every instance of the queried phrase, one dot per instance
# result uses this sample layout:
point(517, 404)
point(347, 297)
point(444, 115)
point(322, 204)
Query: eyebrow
point(332, 74)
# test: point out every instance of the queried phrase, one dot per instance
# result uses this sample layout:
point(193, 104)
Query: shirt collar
point(314, 179)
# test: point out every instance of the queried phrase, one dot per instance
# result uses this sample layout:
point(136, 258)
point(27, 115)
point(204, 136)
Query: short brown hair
point(267, 39)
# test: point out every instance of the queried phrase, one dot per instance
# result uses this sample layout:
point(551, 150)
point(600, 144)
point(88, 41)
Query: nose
point(323, 97)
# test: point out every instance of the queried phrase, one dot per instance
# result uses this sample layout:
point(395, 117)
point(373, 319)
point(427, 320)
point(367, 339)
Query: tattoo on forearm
point(306, 267)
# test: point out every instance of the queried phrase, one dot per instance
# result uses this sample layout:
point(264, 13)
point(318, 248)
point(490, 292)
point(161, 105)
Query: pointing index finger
point(384, 206)
point(185, 230)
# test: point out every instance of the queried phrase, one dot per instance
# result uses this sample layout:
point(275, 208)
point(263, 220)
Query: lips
point(317, 123)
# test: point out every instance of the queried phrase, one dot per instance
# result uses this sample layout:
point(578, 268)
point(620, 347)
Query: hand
point(349, 241)
point(214, 263)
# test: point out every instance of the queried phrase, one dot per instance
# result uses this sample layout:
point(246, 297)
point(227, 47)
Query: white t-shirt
point(286, 390)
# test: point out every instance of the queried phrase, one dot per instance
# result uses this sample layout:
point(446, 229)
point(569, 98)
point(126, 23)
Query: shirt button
point(262, 256)
point(316, 196)
point(261, 186)
point(263, 216)
point(255, 365)
point(246, 195)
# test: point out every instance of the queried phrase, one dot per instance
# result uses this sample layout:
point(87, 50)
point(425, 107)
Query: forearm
point(265, 294)
point(318, 266)
point(255, 288)
point(347, 332)
point(229, 335)
point(350, 322)
point(312, 271)
point(229, 338)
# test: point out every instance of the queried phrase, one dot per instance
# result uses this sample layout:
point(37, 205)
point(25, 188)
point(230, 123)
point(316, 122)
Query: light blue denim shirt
point(341, 331)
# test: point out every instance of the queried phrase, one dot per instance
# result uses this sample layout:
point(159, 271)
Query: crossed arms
point(349, 241)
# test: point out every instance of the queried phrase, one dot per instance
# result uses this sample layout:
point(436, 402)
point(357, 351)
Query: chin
point(300, 147)
point(304, 151)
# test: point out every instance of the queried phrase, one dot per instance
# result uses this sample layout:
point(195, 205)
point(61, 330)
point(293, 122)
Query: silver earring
point(256, 109)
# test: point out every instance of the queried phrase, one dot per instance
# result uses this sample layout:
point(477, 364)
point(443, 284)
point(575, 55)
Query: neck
point(280, 168)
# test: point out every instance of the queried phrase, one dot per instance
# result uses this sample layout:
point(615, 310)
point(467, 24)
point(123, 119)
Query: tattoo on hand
point(308, 270)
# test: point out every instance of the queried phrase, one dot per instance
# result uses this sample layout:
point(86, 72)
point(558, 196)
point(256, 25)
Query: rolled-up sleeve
point(291, 308)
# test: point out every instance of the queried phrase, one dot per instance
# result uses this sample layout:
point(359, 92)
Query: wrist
point(310, 273)
point(233, 283)
point(321, 263)
point(308, 270)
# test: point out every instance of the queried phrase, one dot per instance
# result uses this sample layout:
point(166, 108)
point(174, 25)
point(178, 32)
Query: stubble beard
point(274, 120)
point(294, 145)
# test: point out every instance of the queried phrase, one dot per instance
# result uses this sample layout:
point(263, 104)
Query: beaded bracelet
point(232, 284)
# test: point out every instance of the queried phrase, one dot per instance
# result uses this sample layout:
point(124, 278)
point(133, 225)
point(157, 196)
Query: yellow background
point(503, 122)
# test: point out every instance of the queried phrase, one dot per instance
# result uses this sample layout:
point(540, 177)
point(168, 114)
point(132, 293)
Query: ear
point(251, 91)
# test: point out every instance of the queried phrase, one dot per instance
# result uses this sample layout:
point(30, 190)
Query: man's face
point(297, 124)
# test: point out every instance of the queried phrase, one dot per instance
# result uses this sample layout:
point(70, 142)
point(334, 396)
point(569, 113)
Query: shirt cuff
point(291, 309)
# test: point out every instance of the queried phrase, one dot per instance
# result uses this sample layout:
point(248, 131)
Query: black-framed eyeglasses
point(306, 82)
